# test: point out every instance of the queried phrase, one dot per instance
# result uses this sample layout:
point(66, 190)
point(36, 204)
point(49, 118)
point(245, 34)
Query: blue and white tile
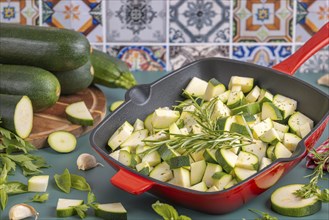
point(318, 63)
point(199, 21)
point(19, 11)
point(136, 21)
point(262, 55)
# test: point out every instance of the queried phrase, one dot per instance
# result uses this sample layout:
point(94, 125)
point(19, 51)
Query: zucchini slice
point(242, 173)
point(65, 207)
point(120, 135)
point(196, 87)
point(227, 159)
point(38, 183)
point(135, 139)
point(116, 105)
point(78, 113)
point(179, 161)
point(286, 105)
point(200, 187)
point(111, 211)
point(62, 141)
point(221, 179)
point(247, 161)
point(280, 151)
point(210, 170)
point(163, 118)
point(138, 125)
point(284, 202)
point(235, 99)
point(253, 95)
point(246, 83)
point(182, 177)
point(220, 110)
point(214, 88)
point(162, 172)
point(298, 119)
point(269, 110)
point(197, 171)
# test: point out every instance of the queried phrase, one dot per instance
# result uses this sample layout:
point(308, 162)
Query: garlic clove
point(324, 80)
point(87, 161)
point(22, 211)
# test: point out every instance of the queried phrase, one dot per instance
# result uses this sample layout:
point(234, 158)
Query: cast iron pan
point(144, 99)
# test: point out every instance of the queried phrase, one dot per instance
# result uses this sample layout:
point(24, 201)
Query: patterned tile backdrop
point(157, 35)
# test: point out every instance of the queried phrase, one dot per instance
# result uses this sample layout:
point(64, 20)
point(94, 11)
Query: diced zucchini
point(258, 148)
point(247, 160)
point(280, 127)
point(265, 96)
point(210, 170)
point(152, 158)
point(221, 179)
point(197, 171)
point(179, 161)
point(148, 122)
point(246, 83)
point(236, 88)
point(78, 113)
point(138, 125)
point(163, 118)
point(291, 141)
point(167, 153)
point(209, 156)
point(111, 211)
point(182, 177)
point(286, 105)
point(125, 158)
point(135, 139)
point(162, 172)
point(224, 124)
point(188, 119)
point(271, 136)
point(38, 183)
point(304, 129)
point(249, 109)
point(199, 187)
point(269, 110)
point(65, 207)
point(116, 105)
point(142, 149)
point(235, 150)
point(242, 173)
point(253, 95)
point(115, 154)
point(264, 162)
point(241, 129)
point(280, 151)
point(196, 129)
point(120, 135)
point(198, 155)
point(270, 152)
point(296, 120)
point(227, 159)
point(173, 129)
point(231, 183)
point(214, 88)
point(159, 136)
point(143, 168)
point(213, 189)
point(196, 87)
point(224, 96)
point(235, 99)
point(261, 127)
point(184, 131)
point(220, 110)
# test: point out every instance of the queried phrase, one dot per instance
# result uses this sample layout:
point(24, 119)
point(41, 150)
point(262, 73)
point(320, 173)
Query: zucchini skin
point(50, 48)
point(73, 81)
point(41, 86)
point(111, 72)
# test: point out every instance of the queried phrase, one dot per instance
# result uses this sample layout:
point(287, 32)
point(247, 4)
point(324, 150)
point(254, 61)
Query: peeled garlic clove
point(87, 161)
point(324, 80)
point(22, 211)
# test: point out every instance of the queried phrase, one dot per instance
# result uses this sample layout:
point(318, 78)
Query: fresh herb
point(66, 181)
point(168, 212)
point(211, 136)
point(40, 198)
point(81, 210)
point(312, 188)
point(264, 215)
point(14, 151)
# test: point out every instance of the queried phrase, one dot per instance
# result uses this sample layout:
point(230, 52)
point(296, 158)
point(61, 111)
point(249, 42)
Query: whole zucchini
point(16, 114)
point(41, 86)
point(50, 48)
point(110, 71)
point(73, 81)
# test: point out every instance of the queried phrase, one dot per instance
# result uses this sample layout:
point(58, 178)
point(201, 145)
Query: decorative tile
point(182, 55)
point(19, 11)
point(263, 21)
point(97, 47)
point(318, 63)
point(80, 15)
point(311, 16)
point(199, 21)
point(136, 21)
point(143, 58)
point(262, 55)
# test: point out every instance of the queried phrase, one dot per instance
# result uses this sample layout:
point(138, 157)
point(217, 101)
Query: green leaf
point(91, 198)
point(324, 196)
point(4, 175)
point(14, 187)
point(19, 158)
point(167, 212)
point(81, 210)
point(40, 198)
point(4, 198)
point(9, 163)
point(183, 217)
point(63, 181)
point(4, 132)
point(79, 183)
point(264, 215)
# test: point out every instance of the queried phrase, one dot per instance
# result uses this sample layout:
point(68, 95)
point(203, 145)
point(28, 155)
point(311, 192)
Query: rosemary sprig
point(264, 215)
point(312, 188)
point(210, 138)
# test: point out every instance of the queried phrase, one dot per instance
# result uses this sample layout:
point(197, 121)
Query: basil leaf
point(79, 183)
point(91, 198)
point(40, 198)
point(63, 181)
point(166, 211)
point(81, 210)
point(9, 163)
point(4, 198)
point(183, 217)
point(13, 188)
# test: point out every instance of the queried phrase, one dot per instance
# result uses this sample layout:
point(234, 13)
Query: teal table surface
point(139, 207)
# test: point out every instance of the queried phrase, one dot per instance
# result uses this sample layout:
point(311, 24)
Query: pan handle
point(130, 182)
point(319, 40)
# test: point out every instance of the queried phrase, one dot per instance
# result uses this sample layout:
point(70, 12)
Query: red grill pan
point(144, 99)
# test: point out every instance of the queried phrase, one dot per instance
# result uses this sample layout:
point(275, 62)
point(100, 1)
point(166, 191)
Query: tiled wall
point(164, 35)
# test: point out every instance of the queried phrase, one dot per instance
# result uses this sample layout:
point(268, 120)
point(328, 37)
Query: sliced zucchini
point(62, 141)
point(285, 202)
point(138, 125)
point(235, 150)
point(198, 155)
point(241, 129)
point(125, 158)
point(197, 129)
point(261, 127)
point(291, 141)
point(38, 183)
point(214, 88)
point(231, 183)
point(209, 156)
point(167, 153)
point(236, 88)
point(242, 173)
point(188, 119)
point(247, 160)
point(258, 148)
point(159, 136)
point(182, 177)
point(144, 168)
point(247, 109)
point(148, 122)
point(253, 95)
point(111, 211)
point(152, 158)
point(265, 96)
point(210, 170)
point(246, 83)
point(78, 113)
point(200, 187)
point(221, 179)
point(227, 159)
point(235, 99)
point(162, 172)
point(213, 189)
point(271, 136)
point(304, 129)
point(280, 151)
point(224, 96)
point(270, 152)
point(197, 171)
point(269, 110)
point(224, 124)
point(220, 110)
point(280, 127)
point(173, 129)
point(286, 105)
point(115, 154)
point(296, 120)
point(120, 135)
point(196, 87)
point(65, 207)
point(264, 162)
point(179, 161)
point(163, 118)
point(135, 139)
point(116, 105)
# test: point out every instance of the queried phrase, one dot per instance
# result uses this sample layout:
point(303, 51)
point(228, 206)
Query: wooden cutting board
point(54, 118)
